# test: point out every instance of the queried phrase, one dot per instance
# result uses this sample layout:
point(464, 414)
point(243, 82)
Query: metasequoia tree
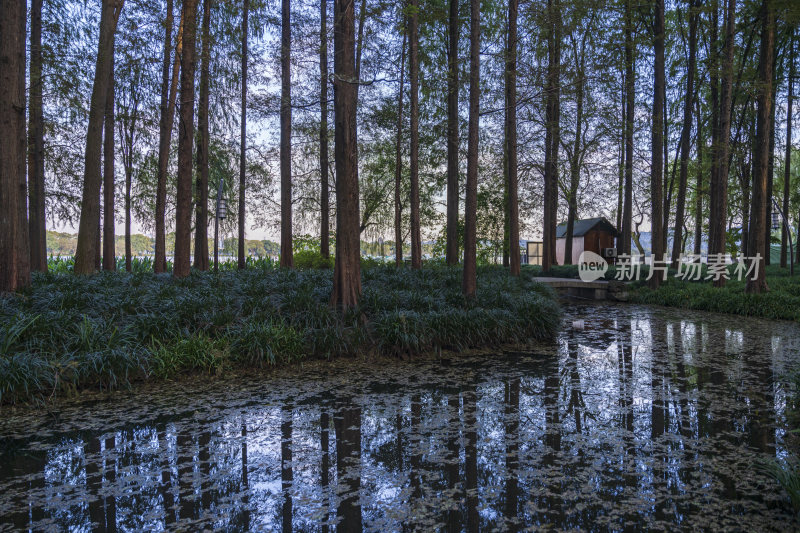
point(624, 241)
point(452, 135)
point(324, 201)
point(287, 259)
point(89, 228)
point(169, 92)
point(241, 261)
point(511, 138)
point(36, 187)
point(552, 133)
point(413, 76)
point(109, 253)
point(14, 252)
point(469, 281)
point(787, 165)
point(398, 163)
point(758, 214)
point(201, 211)
point(183, 201)
point(347, 267)
point(657, 168)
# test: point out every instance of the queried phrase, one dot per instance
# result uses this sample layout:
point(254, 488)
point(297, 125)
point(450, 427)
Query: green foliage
point(308, 258)
point(66, 332)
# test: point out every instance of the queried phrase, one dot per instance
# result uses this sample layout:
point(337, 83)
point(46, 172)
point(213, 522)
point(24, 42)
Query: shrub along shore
point(66, 332)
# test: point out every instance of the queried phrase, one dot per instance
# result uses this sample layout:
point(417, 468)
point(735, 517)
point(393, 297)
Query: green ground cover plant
point(67, 332)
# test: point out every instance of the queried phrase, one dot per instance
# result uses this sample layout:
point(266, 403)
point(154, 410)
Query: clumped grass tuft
point(67, 332)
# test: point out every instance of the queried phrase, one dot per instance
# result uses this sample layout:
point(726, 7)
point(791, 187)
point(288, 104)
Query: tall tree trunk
point(552, 135)
point(451, 254)
point(127, 134)
point(128, 246)
point(15, 270)
point(183, 202)
point(109, 247)
point(201, 214)
point(36, 189)
point(287, 259)
point(511, 137)
point(787, 174)
point(699, 188)
point(621, 163)
point(88, 229)
point(413, 76)
point(347, 268)
point(575, 160)
point(325, 226)
point(770, 173)
point(469, 281)
point(398, 164)
point(719, 196)
point(683, 180)
point(657, 172)
point(242, 261)
point(630, 94)
point(758, 217)
point(169, 91)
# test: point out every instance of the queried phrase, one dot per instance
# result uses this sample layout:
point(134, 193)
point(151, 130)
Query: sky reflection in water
point(643, 419)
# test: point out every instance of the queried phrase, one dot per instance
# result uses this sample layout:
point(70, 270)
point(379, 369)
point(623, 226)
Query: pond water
point(637, 418)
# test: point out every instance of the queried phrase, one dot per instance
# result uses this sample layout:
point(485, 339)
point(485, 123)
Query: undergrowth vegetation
point(68, 332)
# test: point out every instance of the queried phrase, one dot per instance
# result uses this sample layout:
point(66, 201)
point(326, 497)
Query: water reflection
point(637, 419)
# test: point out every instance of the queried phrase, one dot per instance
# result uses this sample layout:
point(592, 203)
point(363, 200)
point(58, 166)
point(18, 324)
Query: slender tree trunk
point(787, 174)
point(242, 262)
point(183, 203)
point(719, 197)
point(770, 174)
point(713, 68)
point(88, 229)
point(621, 165)
point(128, 247)
point(574, 164)
point(347, 269)
point(657, 172)
point(201, 214)
point(325, 226)
point(469, 282)
point(287, 259)
point(36, 189)
point(109, 246)
point(552, 135)
point(451, 255)
point(413, 75)
point(511, 137)
point(758, 217)
point(699, 188)
point(15, 266)
point(398, 164)
point(630, 94)
point(169, 91)
point(683, 180)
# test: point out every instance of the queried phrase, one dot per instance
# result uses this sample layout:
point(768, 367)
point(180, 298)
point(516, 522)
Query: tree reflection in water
point(643, 419)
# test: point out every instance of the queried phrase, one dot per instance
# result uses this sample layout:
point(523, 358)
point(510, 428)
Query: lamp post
point(221, 214)
point(776, 223)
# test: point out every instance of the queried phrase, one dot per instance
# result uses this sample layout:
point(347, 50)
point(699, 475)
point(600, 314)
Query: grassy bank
point(68, 332)
point(781, 302)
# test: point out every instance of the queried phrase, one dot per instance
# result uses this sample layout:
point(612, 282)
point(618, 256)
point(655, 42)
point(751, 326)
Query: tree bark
point(683, 180)
point(14, 252)
point(758, 217)
point(201, 213)
point(699, 189)
point(719, 196)
point(451, 253)
point(770, 174)
point(347, 268)
point(511, 138)
point(89, 226)
point(169, 91)
point(575, 160)
point(183, 202)
point(398, 164)
point(713, 69)
point(242, 261)
point(413, 75)
point(657, 172)
point(36, 189)
point(469, 281)
point(287, 259)
point(624, 246)
point(325, 225)
point(787, 174)
point(109, 248)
